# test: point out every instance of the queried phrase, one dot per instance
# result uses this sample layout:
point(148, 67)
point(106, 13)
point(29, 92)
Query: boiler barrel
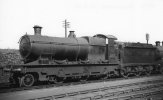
point(34, 46)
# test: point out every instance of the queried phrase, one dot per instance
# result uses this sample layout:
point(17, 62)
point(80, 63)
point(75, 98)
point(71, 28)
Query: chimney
point(72, 34)
point(37, 30)
point(157, 43)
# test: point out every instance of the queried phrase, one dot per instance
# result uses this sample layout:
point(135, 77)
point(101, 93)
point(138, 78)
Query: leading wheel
point(28, 80)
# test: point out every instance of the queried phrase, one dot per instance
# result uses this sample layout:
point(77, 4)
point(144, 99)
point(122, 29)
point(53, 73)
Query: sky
point(128, 20)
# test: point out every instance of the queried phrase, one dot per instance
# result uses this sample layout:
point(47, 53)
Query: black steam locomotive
point(55, 59)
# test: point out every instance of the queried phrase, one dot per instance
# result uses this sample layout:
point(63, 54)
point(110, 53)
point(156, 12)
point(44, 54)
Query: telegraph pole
point(66, 25)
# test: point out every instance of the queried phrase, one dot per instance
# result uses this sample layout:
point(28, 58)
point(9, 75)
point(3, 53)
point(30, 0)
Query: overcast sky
point(128, 20)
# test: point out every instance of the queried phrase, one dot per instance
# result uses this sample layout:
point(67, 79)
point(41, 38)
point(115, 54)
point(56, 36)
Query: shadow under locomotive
point(56, 59)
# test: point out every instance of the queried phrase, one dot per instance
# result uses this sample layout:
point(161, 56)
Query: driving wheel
point(28, 80)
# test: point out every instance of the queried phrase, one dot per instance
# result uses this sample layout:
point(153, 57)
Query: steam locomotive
point(56, 59)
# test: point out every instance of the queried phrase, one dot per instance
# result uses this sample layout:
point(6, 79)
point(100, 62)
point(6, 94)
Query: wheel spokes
point(28, 80)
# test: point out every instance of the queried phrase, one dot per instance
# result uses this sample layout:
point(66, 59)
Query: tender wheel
point(161, 70)
point(148, 70)
point(138, 71)
point(138, 74)
point(124, 73)
point(28, 80)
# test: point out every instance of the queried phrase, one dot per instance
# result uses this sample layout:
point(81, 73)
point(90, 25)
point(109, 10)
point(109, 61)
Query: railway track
point(7, 88)
point(127, 91)
point(146, 88)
